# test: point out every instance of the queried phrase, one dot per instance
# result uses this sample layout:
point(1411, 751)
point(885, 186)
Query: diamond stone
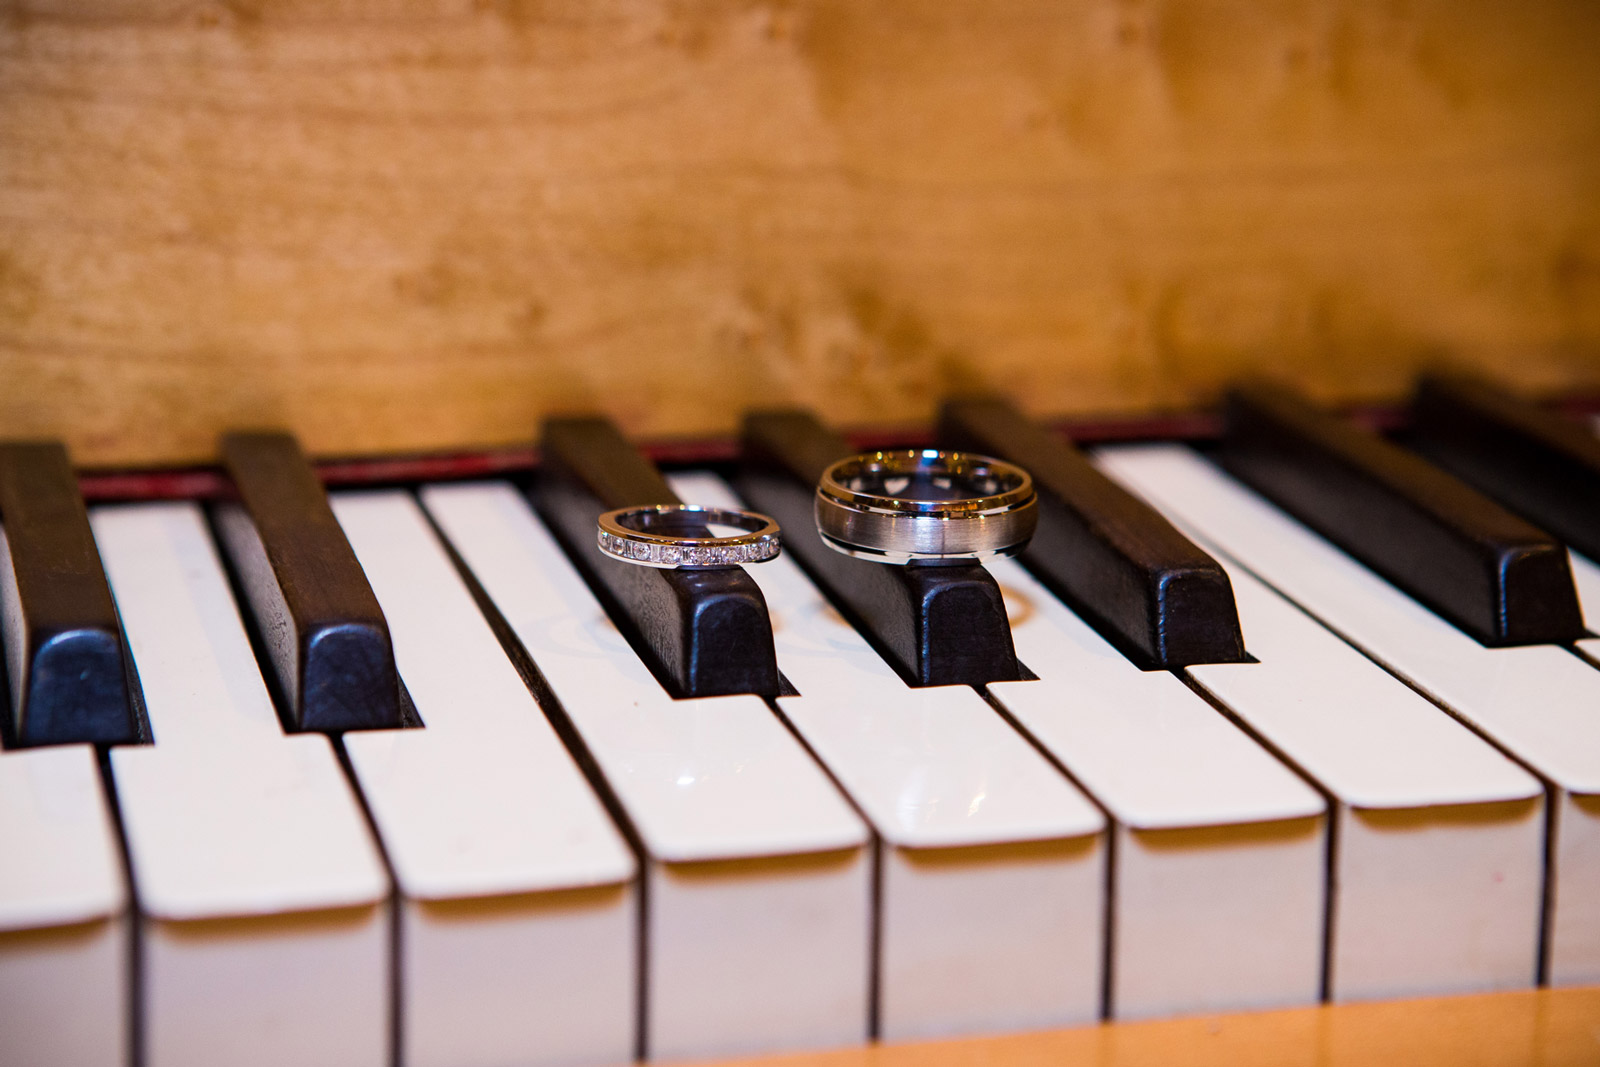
point(687, 555)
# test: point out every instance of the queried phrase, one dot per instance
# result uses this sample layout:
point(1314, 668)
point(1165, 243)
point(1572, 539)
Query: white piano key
point(758, 881)
point(265, 925)
point(64, 994)
point(1438, 858)
point(1540, 703)
point(1365, 736)
point(1369, 739)
point(992, 882)
point(1218, 871)
point(1575, 953)
point(1586, 576)
point(1537, 701)
point(1152, 751)
point(519, 914)
point(1573, 935)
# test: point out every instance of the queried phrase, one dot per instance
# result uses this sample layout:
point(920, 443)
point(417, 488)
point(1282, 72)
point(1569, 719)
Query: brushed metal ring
point(921, 505)
point(670, 536)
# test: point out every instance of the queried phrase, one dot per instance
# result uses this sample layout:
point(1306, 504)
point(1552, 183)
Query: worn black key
point(704, 632)
point(315, 613)
point(1122, 566)
point(941, 624)
point(1537, 463)
point(1495, 576)
point(63, 643)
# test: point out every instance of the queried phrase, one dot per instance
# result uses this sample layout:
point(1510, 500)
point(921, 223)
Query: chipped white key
point(263, 898)
point(64, 973)
point(519, 910)
point(1540, 703)
point(992, 868)
point(758, 880)
point(1217, 874)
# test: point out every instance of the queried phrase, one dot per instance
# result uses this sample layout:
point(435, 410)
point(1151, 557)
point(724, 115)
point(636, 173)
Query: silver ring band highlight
point(926, 505)
point(664, 536)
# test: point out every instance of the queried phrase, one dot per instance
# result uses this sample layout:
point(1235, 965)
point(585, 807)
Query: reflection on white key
point(519, 911)
point(64, 996)
point(1540, 703)
point(993, 867)
point(1218, 871)
point(758, 884)
point(265, 925)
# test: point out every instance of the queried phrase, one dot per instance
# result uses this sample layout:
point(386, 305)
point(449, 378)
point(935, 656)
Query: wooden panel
point(1537, 1028)
point(396, 226)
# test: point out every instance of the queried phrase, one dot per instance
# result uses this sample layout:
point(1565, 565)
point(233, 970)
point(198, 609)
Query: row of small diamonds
point(694, 556)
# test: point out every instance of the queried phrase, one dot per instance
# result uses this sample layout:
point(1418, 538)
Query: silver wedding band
point(669, 536)
point(924, 505)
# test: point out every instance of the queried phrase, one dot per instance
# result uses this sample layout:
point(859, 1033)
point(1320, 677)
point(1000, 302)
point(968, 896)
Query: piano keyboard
point(540, 851)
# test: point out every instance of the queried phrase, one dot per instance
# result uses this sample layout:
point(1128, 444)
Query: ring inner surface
point(687, 523)
point(930, 482)
point(675, 523)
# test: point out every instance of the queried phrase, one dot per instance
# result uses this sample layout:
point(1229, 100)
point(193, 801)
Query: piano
point(327, 737)
point(410, 773)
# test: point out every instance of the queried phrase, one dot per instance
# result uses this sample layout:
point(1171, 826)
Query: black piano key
point(1122, 566)
point(1490, 573)
point(315, 613)
point(1537, 463)
point(67, 664)
point(704, 632)
point(937, 625)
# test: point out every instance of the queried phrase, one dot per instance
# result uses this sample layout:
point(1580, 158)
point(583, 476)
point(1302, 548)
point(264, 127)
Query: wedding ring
point(926, 504)
point(676, 535)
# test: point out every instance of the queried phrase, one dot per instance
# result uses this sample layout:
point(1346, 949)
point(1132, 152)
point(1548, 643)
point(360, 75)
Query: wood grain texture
point(1536, 1028)
point(395, 226)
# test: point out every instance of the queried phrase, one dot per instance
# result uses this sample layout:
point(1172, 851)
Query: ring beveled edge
point(907, 559)
point(901, 538)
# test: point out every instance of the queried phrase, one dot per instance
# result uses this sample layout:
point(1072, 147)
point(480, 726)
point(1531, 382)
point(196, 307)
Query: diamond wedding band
point(924, 505)
point(676, 535)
